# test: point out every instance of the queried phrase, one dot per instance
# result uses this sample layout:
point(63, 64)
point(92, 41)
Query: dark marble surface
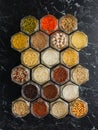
point(11, 11)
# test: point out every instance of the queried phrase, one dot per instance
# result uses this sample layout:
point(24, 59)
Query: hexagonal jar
point(78, 108)
point(60, 74)
point(69, 91)
point(20, 74)
point(39, 41)
point(29, 24)
point(78, 40)
point(68, 23)
point(50, 57)
point(70, 57)
point(40, 74)
point(39, 108)
point(59, 109)
point(50, 91)
point(30, 91)
point(48, 23)
point(59, 40)
point(20, 107)
point(79, 75)
point(30, 58)
point(19, 41)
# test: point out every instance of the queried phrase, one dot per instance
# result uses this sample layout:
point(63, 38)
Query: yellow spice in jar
point(19, 41)
point(79, 40)
point(20, 108)
point(30, 58)
point(79, 108)
point(70, 57)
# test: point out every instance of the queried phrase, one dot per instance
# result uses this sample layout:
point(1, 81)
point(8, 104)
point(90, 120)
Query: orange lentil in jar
point(48, 23)
point(79, 108)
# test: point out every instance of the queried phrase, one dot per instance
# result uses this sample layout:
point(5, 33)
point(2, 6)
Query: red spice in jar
point(39, 108)
point(48, 23)
point(50, 91)
point(60, 75)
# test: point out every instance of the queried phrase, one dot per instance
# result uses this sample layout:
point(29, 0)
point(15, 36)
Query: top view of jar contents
point(50, 74)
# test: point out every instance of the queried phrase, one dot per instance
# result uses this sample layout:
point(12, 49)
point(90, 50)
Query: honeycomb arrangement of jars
point(49, 74)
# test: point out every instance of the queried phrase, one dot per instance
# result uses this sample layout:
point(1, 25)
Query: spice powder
point(50, 92)
point(60, 75)
point(39, 40)
point(39, 108)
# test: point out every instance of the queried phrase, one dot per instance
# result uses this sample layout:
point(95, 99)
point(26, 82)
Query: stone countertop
point(11, 12)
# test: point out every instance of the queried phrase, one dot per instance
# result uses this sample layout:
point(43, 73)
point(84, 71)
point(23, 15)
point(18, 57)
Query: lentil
point(79, 108)
point(48, 23)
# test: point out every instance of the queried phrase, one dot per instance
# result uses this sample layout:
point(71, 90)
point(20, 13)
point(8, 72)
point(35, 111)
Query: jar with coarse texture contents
point(68, 23)
point(30, 58)
point(30, 91)
point(29, 24)
point(79, 75)
point(20, 107)
point(48, 23)
point(59, 40)
point(20, 74)
point(78, 108)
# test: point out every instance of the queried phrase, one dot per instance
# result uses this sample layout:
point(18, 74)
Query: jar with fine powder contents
point(59, 109)
point(50, 57)
point(40, 74)
point(39, 40)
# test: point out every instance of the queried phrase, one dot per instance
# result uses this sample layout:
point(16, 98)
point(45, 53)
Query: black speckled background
point(11, 11)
